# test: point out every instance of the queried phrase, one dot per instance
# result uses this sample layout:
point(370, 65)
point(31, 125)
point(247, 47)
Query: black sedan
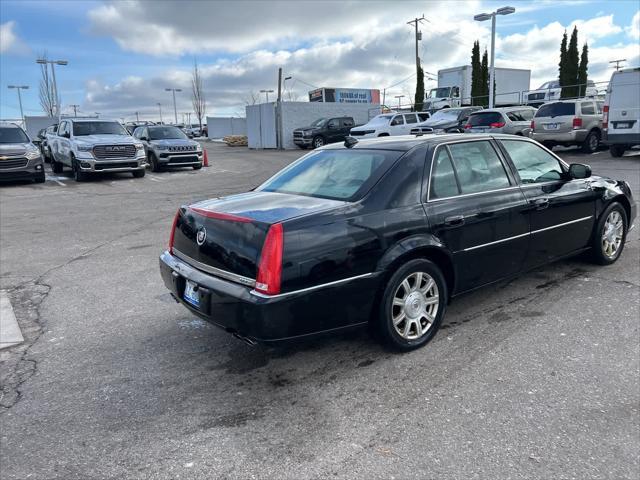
point(384, 232)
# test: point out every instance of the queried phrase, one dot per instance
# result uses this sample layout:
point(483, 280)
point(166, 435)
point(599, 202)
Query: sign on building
point(345, 95)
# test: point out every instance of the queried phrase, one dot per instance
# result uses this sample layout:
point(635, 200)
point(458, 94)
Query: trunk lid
point(228, 233)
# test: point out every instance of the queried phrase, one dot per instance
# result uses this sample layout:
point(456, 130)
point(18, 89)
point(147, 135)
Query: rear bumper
point(621, 138)
point(237, 309)
point(572, 137)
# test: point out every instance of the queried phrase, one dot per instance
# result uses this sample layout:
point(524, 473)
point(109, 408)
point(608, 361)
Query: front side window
point(397, 120)
point(478, 167)
point(333, 123)
point(534, 165)
point(443, 177)
point(345, 174)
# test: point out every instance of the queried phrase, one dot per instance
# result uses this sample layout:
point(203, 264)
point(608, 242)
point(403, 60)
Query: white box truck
point(454, 88)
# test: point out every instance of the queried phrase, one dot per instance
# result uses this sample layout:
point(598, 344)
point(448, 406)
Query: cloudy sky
point(123, 54)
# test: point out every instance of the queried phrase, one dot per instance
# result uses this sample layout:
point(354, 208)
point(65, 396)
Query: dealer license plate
point(191, 294)
point(623, 125)
point(551, 126)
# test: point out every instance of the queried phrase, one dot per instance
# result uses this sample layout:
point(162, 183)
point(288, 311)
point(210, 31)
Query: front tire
point(617, 150)
point(591, 143)
point(153, 162)
point(609, 235)
point(318, 142)
point(56, 167)
point(412, 305)
point(78, 175)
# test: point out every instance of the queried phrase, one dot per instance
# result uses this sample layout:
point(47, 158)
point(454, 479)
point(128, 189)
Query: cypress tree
point(573, 58)
point(562, 70)
point(476, 74)
point(419, 101)
point(484, 92)
point(582, 70)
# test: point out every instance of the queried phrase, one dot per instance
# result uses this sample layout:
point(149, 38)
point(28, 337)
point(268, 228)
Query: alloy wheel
point(415, 305)
point(612, 233)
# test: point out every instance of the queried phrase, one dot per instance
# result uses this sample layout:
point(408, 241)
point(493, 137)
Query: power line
point(617, 62)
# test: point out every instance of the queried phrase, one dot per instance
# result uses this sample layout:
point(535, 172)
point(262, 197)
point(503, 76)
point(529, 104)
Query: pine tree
point(562, 70)
point(484, 92)
point(476, 74)
point(419, 101)
point(573, 58)
point(582, 71)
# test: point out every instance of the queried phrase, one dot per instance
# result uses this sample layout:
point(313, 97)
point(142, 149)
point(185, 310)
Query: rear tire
point(617, 150)
point(591, 143)
point(609, 235)
point(413, 305)
point(548, 145)
point(138, 173)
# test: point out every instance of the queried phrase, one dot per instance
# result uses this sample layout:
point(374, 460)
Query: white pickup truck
point(90, 145)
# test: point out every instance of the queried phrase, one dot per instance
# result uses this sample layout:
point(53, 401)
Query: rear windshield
point(484, 119)
point(12, 135)
point(556, 109)
point(98, 128)
point(166, 133)
point(335, 174)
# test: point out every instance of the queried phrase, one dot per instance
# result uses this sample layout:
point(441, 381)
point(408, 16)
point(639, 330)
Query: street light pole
point(175, 110)
point(399, 97)
point(266, 92)
point(75, 110)
point(481, 18)
point(44, 61)
point(18, 88)
point(160, 108)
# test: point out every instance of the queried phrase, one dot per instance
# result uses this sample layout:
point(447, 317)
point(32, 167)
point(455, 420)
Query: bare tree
point(197, 95)
point(47, 92)
point(253, 98)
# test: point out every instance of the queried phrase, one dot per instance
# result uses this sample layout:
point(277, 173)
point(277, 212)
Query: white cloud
point(633, 30)
point(10, 42)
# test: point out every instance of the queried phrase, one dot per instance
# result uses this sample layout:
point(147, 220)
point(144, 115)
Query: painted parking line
point(10, 333)
point(58, 180)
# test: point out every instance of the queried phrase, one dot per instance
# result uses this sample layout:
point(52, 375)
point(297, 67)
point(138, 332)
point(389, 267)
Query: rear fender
point(408, 245)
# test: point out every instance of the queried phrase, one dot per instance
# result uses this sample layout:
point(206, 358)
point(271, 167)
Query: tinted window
point(443, 178)
point(423, 116)
point(556, 109)
point(587, 108)
point(478, 167)
point(98, 128)
point(527, 115)
point(534, 164)
point(12, 135)
point(485, 119)
point(397, 120)
point(515, 116)
point(347, 122)
point(411, 118)
point(333, 123)
point(337, 174)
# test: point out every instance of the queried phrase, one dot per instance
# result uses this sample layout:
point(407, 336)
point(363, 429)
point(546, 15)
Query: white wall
point(301, 114)
point(219, 127)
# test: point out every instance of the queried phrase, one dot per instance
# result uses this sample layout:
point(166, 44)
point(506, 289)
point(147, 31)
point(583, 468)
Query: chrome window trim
point(496, 242)
point(310, 289)
point(499, 154)
point(218, 272)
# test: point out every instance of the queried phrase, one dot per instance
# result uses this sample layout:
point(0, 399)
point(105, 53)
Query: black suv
point(323, 131)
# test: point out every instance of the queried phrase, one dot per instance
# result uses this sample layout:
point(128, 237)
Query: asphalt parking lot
point(534, 378)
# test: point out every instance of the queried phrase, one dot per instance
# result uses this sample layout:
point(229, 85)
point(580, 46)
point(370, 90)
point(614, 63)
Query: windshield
point(13, 135)
point(556, 109)
point(166, 133)
point(447, 114)
point(319, 122)
point(381, 119)
point(553, 84)
point(336, 174)
point(98, 128)
point(439, 92)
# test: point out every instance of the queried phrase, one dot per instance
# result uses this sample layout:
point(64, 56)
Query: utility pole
point(75, 109)
point(415, 23)
point(160, 108)
point(617, 62)
point(137, 117)
point(20, 87)
point(279, 84)
point(175, 111)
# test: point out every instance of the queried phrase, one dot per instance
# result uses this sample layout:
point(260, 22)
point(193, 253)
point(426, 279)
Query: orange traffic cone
point(206, 158)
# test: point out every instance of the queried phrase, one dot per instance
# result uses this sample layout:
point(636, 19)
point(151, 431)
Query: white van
point(621, 119)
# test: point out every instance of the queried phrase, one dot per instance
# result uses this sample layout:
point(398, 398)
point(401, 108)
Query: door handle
point(540, 203)
point(454, 221)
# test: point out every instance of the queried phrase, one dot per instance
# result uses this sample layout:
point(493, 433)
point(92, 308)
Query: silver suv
point(569, 122)
point(169, 146)
point(19, 158)
point(512, 120)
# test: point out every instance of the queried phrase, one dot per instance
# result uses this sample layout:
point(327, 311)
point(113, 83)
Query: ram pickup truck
point(323, 131)
point(89, 145)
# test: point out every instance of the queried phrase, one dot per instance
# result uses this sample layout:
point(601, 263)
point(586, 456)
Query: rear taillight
point(605, 117)
point(533, 125)
point(497, 124)
point(577, 122)
point(270, 267)
point(467, 126)
point(173, 231)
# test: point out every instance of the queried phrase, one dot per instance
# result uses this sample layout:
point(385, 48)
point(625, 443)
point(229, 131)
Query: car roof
point(80, 120)
point(407, 142)
point(9, 125)
point(505, 109)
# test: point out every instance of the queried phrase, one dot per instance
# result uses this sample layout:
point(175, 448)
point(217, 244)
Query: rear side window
point(443, 177)
point(586, 108)
point(556, 109)
point(534, 164)
point(478, 167)
point(527, 114)
point(411, 118)
point(485, 119)
point(347, 122)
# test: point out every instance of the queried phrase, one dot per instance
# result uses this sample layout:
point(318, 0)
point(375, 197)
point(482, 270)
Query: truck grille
point(13, 163)
point(184, 159)
point(182, 148)
point(114, 151)
point(297, 134)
